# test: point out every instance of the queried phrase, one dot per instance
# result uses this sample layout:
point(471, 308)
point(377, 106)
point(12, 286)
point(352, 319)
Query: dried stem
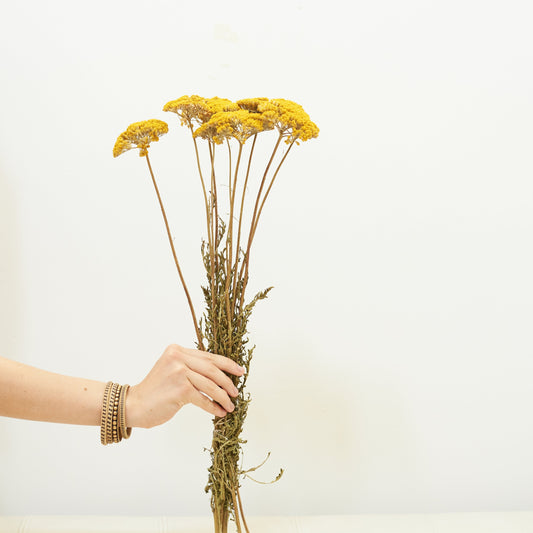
point(210, 237)
point(241, 510)
point(270, 186)
point(257, 201)
point(214, 216)
point(198, 334)
point(226, 312)
point(214, 199)
point(243, 274)
point(255, 221)
point(206, 202)
point(229, 236)
point(237, 512)
point(240, 219)
point(228, 246)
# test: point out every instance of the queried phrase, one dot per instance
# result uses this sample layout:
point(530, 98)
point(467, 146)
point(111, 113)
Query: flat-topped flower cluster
point(218, 119)
point(140, 135)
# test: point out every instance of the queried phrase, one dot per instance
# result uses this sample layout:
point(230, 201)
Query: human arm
point(180, 376)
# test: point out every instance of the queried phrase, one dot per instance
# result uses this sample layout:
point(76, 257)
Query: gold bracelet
point(109, 418)
point(103, 420)
point(109, 425)
point(125, 432)
point(113, 420)
point(114, 429)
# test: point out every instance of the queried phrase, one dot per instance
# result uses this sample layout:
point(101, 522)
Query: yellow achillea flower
point(239, 124)
point(189, 109)
point(219, 105)
point(198, 109)
point(290, 119)
point(140, 135)
point(251, 104)
point(220, 118)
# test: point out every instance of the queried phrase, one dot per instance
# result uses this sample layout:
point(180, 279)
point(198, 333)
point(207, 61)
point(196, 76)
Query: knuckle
point(210, 357)
point(211, 372)
point(173, 350)
point(180, 369)
point(183, 394)
point(186, 392)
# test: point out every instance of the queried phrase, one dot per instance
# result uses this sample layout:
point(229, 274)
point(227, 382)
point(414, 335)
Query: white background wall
point(394, 361)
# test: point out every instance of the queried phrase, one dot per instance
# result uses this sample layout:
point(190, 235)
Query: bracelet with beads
point(113, 420)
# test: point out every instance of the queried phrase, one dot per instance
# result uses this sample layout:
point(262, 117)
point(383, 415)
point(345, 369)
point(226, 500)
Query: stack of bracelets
point(113, 425)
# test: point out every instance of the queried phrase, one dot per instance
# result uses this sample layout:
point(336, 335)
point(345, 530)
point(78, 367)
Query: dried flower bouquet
point(228, 126)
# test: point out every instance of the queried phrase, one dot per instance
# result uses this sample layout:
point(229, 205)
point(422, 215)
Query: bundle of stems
point(227, 127)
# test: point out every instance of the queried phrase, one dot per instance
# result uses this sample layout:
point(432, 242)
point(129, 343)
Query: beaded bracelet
point(113, 421)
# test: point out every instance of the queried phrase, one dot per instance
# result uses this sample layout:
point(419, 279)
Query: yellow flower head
point(240, 125)
point(220, 118)
point(189, 109)
point(140, 135)
point(290, 119)
point(198, 109)
point(220, 105)
point(252, 104)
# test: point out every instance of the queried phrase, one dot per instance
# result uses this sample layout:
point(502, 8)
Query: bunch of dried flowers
point(228, 126)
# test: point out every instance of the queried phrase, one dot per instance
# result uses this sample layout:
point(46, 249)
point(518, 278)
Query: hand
point(179, 377)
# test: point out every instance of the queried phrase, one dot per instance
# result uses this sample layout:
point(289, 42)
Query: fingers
point(208, 387)
point(216, 377)
point(221, 362)
point(206, 404)
point(205, 364)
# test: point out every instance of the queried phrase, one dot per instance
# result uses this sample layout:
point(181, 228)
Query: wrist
point(134, 409)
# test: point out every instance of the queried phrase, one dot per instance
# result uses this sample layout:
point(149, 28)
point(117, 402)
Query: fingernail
point(235, 391)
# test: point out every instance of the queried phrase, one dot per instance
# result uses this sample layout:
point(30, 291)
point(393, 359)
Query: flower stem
point(243, 274)
point(229, 238)
point(270, 186)
point(210, 237)
point(236, 512)
point(228, 247)
point(241, 510)
point(255, 219)
point(203, 184)
point(198, 334)
point(214, 199)
point(240, 221)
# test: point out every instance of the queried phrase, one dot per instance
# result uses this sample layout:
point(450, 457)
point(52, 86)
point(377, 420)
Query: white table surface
point(491, 522)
